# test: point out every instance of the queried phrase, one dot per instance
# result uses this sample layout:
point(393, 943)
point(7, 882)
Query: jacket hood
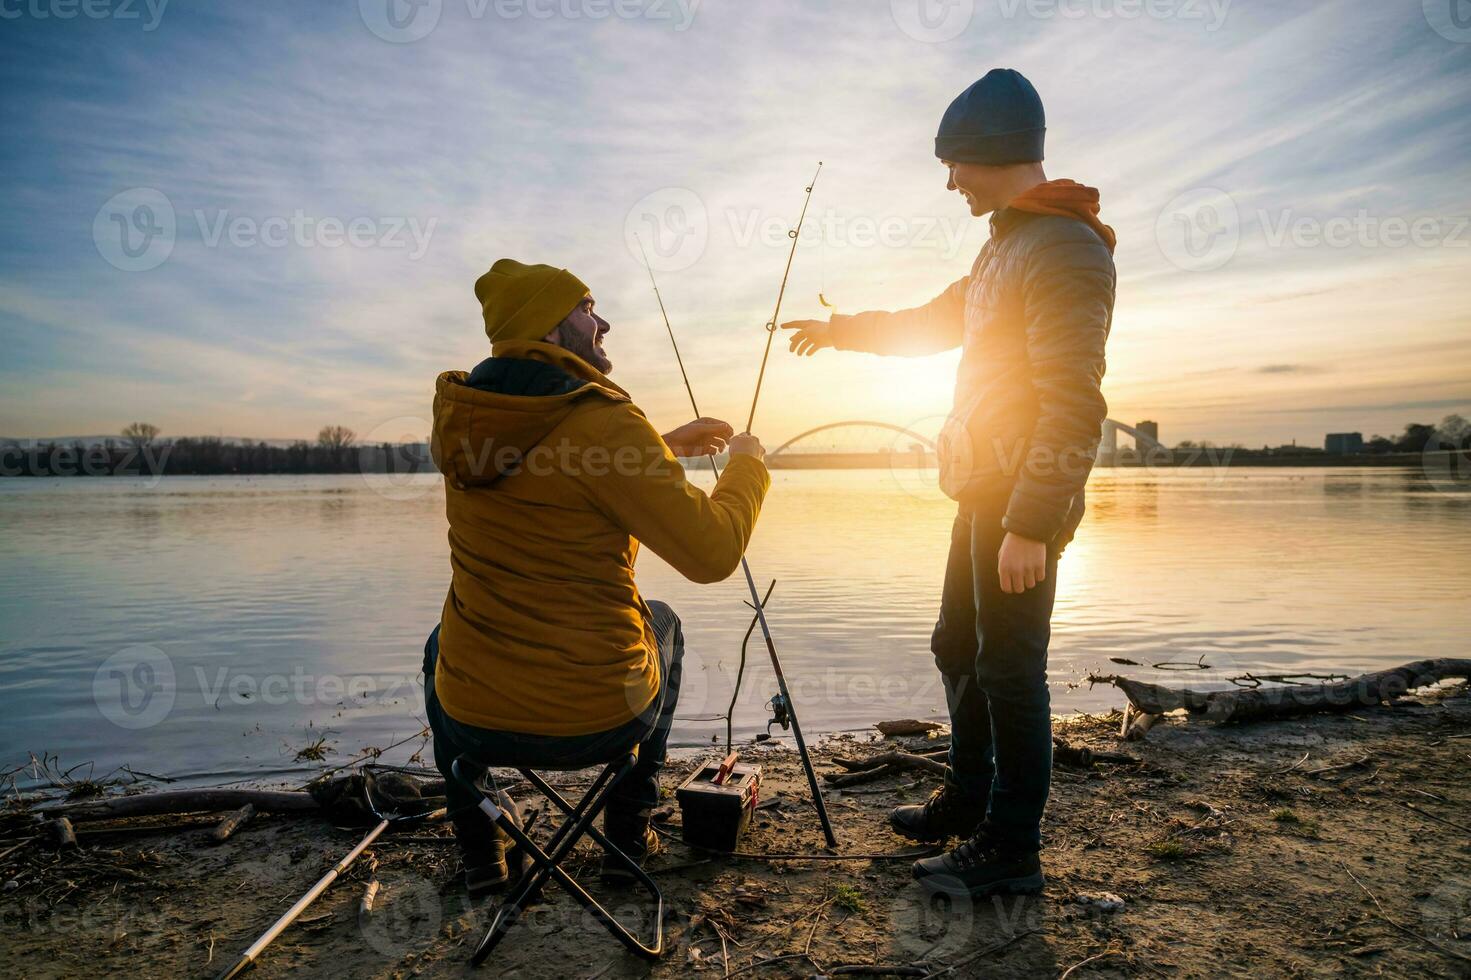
point(487, 420)
point(1067, 199)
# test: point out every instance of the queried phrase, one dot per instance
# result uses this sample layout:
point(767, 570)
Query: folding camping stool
point(547, 863)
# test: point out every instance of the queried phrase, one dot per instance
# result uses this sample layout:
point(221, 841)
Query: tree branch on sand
point(886, 764)
point(932, 761)
point(1295, 699)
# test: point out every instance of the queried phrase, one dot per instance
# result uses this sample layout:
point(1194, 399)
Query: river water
point(211, 628)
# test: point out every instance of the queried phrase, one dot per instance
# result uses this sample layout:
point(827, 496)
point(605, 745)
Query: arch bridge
point(855, 424)
point(1109, 446)
point(1143, 441)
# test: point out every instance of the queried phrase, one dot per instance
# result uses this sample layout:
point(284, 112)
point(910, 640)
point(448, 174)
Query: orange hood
point(1067, 199)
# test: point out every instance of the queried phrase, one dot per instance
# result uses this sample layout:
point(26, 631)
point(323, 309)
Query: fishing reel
point(781, 713)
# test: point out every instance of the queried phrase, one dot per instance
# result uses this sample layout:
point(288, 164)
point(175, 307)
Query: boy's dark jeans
point(991, 649)
point(635, 795)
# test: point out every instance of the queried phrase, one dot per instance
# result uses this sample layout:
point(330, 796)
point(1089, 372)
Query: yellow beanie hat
point(526, 302)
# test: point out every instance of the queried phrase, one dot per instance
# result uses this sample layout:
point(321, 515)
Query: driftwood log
point(932, 761)
point(1081, 757)
point(885, 764)
point(1248, 704)
point(338, 796)
point(186, 801)
point(907, 726)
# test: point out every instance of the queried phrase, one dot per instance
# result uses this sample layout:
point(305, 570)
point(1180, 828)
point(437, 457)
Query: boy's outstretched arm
point(936, 326)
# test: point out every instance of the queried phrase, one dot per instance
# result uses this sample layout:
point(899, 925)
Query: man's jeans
point(991, 648)
point(635, 795)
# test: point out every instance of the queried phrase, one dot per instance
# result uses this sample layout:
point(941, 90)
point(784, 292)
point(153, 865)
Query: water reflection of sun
point(1072, 569)
point(1075, 560)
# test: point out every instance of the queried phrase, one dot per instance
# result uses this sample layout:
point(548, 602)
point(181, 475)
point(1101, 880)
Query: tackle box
point(717, 801)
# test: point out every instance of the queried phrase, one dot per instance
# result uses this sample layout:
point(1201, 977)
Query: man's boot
point(631, 834)
point(982, 865)
point(483, 853)
point(491, 859)
point(947, 813)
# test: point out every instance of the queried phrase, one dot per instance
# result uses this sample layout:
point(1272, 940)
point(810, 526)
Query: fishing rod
point(248, 959)
point(793, 234)
point(787, 711)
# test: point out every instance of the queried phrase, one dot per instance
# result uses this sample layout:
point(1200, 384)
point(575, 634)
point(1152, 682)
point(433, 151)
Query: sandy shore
point(1319, 846)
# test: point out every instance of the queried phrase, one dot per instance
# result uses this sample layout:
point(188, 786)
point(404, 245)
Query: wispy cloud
point(1290, 369)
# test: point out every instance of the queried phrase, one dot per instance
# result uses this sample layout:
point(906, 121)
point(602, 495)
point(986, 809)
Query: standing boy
point(1032, 318)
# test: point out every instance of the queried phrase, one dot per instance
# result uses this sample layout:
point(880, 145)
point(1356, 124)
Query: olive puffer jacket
point(553, 479)
point(1033, 317)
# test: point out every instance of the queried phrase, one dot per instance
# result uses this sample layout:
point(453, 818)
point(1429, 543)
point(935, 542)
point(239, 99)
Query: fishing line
point(662, 312)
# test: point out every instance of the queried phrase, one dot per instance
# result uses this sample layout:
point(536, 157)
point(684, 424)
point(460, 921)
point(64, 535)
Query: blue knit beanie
point(996, 121)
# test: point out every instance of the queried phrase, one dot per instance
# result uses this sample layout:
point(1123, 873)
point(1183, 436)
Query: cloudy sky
point(259, 218)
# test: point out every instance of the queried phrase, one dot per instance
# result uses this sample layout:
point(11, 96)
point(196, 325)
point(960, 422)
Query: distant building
point(1149, 430)
point(1344, 443)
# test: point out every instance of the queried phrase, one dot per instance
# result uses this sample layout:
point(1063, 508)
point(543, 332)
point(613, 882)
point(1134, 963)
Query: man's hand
point(746, 444)
point(810, 337)
point(1022, 563)
point(702, 437)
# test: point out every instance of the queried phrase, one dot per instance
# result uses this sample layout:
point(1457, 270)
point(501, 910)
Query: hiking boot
point(982, 865)
point(483, 853)
point(945, 814)
point(640, 850)
point(486, 879)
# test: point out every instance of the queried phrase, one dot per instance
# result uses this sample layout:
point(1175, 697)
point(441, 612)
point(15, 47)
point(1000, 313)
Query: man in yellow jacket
point(546, 653)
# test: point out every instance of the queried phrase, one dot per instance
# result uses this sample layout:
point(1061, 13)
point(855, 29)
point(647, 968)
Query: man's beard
point(586, 348)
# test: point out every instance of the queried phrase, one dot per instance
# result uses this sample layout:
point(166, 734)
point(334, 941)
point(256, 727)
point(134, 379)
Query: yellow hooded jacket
point(552, 478)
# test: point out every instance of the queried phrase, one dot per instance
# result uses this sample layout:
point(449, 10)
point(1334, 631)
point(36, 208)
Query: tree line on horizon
point(141, 452)
point(1453, 432)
